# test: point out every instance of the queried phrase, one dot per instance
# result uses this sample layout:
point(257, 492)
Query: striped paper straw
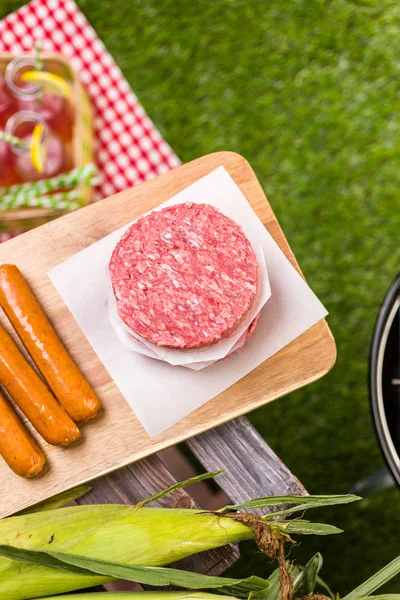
point(14, 141)
point(61, 201)
point(38, 57)
point(79, 176)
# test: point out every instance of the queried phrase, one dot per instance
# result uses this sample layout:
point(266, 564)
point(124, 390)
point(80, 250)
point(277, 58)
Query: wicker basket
point(27, 218)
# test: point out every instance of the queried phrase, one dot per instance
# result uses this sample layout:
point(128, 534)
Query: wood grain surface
point(252, 469)
point(116, 438)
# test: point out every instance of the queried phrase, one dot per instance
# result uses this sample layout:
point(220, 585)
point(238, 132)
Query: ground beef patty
point(184, 276)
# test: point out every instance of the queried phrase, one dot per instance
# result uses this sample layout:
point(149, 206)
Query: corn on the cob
point(148, 536)
point(66, 549)
point(142, 596)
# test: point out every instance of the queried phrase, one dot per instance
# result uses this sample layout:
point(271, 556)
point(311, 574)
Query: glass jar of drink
point(55, 110)
point(8, 104)
point(57, 157)
point(8, 175)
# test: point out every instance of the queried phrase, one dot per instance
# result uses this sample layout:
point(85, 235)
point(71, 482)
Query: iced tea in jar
point(57, 158)
point(33, 93)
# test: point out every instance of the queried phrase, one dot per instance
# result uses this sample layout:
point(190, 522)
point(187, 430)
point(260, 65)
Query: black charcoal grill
point(384, 379)
point(384, 391)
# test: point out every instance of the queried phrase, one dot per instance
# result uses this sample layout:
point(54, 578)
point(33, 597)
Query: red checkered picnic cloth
point(129, 148)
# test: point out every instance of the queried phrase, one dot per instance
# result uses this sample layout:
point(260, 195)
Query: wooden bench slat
point(252, 467)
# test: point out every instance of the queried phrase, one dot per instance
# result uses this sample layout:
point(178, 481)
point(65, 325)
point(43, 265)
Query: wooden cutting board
point(116, 437)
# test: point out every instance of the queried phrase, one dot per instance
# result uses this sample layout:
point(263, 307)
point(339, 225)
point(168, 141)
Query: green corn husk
point(142, 596)
point(57, 501)
point(148, 536)
point(125, 535)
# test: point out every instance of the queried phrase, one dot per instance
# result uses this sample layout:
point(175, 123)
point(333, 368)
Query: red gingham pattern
point(129, 149)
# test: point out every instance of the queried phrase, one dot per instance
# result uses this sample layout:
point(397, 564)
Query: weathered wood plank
point(137, 482)
point(252, 467)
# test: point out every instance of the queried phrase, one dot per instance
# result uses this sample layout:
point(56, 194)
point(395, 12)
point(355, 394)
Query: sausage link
point(45, 347)
point(17, 446)
point(32, 396)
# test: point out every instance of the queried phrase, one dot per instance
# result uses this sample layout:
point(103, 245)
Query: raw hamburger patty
point(184, 276)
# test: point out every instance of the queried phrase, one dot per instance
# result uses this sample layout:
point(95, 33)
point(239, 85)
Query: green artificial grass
point(308, 91)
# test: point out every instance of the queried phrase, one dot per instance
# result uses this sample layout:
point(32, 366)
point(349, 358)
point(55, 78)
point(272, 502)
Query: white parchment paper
point(161, 394)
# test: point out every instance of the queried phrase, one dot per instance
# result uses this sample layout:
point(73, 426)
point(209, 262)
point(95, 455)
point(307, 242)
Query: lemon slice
point(37, 149)
point(49, 81)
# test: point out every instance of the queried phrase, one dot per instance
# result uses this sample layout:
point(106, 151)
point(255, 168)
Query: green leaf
point(376, 581)
point(299, 578)
point(39, 558)
point(304, 583)
point(57, 501)
point(385, 597)
point(178, 486)
point(322, 584)
point(323, 501)
point(156, 576)
point(139, 596)
point(274, 591)
point(306, 528)
point(304, 502)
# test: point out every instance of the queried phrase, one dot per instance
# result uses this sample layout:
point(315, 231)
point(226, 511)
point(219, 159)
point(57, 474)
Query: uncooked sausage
point(45, 347)
point(17, 446)
point(32, 396)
